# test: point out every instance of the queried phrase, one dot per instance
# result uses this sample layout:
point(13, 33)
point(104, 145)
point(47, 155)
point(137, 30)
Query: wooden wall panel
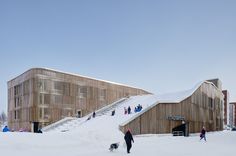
point(202, 108)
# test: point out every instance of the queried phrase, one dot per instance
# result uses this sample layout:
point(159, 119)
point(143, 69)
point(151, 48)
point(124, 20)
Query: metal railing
point(178, 133)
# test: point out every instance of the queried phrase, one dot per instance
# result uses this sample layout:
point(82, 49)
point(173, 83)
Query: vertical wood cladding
point(46, 96)
point(203, 108)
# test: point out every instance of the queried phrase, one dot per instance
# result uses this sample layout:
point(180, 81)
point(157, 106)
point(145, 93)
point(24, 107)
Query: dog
point(114, 146)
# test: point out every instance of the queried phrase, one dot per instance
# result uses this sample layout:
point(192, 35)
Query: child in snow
point(203, 134)
point(5, 129)
point(125, 110)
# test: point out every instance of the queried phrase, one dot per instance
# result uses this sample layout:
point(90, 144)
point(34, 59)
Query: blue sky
point(160, 46)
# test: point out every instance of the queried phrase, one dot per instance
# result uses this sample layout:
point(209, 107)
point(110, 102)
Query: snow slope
point(105, 115)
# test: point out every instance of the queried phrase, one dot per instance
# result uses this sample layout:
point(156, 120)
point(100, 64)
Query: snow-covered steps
point(69, 123)
point(57, 124)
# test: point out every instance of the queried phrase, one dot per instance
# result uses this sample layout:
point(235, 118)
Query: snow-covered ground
point(93, 138)
point(91, 144)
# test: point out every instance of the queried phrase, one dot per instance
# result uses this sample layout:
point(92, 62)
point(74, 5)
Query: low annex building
point(42, 96)
point(183, 112)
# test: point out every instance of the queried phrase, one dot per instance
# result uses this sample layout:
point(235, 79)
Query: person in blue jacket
point(6, 129)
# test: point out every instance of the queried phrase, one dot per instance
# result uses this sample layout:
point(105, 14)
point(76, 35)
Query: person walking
point(128, 139)
point(203, 134)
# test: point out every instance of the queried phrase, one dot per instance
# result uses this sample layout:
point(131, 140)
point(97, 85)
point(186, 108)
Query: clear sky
point(160, 46)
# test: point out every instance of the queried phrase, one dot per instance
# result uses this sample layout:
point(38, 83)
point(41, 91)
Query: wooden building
point(43, 96)
point(186, 112)
point(226, 107)
point(232, 114)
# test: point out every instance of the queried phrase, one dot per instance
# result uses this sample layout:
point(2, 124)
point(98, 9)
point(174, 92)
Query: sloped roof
point(176, 97)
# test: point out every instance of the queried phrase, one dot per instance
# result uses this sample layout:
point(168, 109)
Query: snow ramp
point(104, 116)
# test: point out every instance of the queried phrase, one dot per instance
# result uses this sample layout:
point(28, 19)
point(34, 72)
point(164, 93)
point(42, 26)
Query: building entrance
point(181, 130)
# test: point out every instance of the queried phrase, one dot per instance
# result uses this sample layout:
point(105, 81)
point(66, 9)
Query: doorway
point(35, 127)
point(79, 113)
point(181, 130)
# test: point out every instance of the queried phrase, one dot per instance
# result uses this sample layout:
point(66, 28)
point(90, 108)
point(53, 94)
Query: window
point(15, 117)
point(40, 85)
point(58, 99)
point(46, 98)
point(41, 99)
point(17, 90)
point(17, 114)
point(58, 85)
point(26, 87)
point(210, 103)
point(44, 113)
point(41, 113)
point(82, 92)
point(102, 94)
point(17, 101)
point(66, 89)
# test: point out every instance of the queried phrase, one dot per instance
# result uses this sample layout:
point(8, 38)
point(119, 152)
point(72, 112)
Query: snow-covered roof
point(176, 97)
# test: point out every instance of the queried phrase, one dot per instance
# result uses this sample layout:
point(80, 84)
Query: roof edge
point(73, 74)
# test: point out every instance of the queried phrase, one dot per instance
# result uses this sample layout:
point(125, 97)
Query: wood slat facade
point(203, 108)
point(46, 96)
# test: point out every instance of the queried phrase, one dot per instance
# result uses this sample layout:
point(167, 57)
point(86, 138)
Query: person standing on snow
point(203, 134)
point(94, 114)
point(129, 110)
point(125, 110)
point(128, 138)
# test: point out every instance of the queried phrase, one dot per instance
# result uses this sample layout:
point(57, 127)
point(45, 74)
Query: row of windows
point(207, 102)
point(21, 89)
point(47, 99)
point(65, 89)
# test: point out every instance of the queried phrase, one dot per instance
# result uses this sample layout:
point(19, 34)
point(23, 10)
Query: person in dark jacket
point(128, 138)
point(94, 114)
point(129, 110)
point(113, 113)
point(203, 134)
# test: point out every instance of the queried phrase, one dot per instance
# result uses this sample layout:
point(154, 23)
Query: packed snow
point(90, 143)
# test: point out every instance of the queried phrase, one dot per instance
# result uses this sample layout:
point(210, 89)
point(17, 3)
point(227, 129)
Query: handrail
point(55, 124)
point(178, 133)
